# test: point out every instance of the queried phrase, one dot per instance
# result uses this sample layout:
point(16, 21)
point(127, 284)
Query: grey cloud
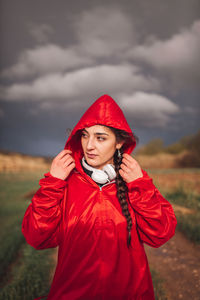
point(149, 109)
point(87, 81)
point(41, 32)
point(191, 110)
point(104, 31)
point(46, 59)
point(177, 57)
point(99, 33)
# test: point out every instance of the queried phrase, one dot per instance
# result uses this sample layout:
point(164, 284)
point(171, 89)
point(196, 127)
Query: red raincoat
point(87, 224)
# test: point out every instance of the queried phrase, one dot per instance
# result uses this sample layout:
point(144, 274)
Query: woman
point(99, 207)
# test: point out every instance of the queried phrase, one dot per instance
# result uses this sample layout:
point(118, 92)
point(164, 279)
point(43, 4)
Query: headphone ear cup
point(99, 176)
point(109, 169)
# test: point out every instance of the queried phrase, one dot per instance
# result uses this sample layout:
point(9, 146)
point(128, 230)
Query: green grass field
point(25, 272)
point(189, 224)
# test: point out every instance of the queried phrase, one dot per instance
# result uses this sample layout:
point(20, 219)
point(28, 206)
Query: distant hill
point(184, 153)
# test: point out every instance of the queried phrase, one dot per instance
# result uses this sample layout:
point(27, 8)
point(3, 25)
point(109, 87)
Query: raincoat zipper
point(100, 187)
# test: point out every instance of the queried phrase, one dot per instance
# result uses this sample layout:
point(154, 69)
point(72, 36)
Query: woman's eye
point(100, 138)
point(83, 135)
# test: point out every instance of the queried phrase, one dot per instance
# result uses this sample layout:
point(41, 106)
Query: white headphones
point(101, 176)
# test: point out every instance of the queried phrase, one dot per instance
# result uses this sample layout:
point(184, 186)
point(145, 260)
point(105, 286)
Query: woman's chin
point(93, 163)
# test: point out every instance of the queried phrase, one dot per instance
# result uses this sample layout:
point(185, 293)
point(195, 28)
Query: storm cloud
point(58, 67)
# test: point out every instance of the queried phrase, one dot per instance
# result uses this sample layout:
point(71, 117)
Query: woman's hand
point(62, 165)
point(130, 169)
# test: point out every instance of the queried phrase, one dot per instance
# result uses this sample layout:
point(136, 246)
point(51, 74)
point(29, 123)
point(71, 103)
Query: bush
point(153, 147)
point(189, 159)
point(190, 226)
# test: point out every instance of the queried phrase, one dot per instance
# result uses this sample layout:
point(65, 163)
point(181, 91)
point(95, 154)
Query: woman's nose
point(90, 144)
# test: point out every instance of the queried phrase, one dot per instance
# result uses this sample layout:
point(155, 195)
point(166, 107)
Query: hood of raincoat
point(104, 111)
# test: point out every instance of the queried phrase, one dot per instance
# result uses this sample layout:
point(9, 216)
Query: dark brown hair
point(122, 190)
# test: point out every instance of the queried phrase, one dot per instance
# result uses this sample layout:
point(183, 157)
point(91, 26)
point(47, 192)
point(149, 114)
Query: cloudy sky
point(57, 57)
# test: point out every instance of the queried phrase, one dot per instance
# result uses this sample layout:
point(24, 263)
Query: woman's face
point(99, 145)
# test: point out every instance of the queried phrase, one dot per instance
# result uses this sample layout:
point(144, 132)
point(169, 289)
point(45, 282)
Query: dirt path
point(178, 263)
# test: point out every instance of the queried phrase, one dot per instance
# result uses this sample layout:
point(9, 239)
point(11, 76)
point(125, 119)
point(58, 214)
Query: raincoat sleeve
point(41, 222)
point(155, 218)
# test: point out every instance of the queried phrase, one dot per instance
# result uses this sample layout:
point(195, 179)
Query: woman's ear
point(119, 145)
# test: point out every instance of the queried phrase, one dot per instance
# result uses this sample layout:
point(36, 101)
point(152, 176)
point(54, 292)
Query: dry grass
point(13, 163)
point(160, 160)
point(170, 181)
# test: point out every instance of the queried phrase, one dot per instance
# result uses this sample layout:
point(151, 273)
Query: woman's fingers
point(71, 166)
point(63, 153)
point(68, 161)
point(130, 169)
point(125, 168)
point(63, 157)
point(128, 160)
point(128, 157)
point(66, 157)
point(124, 175)
point(62, 164)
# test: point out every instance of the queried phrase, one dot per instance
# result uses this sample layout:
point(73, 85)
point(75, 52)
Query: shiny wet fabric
point(87, 224)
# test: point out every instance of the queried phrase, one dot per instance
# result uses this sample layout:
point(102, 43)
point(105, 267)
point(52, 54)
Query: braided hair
point(122, 190)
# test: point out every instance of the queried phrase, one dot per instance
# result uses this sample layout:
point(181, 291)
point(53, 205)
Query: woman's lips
point(91, 155)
